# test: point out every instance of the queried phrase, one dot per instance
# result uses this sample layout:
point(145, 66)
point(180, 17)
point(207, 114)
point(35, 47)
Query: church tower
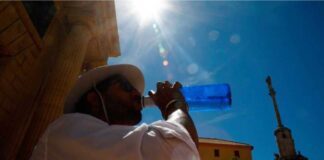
point(283, 134)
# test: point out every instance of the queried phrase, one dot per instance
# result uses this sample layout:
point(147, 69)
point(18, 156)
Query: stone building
point(44, 46)
point(283, 134)
point(217, 149)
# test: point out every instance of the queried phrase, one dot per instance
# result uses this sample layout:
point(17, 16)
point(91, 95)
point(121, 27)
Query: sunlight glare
point(148, 9)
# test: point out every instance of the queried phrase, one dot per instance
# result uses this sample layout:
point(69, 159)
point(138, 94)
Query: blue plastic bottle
point(204, 97)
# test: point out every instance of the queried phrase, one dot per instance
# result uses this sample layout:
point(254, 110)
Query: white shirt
point(79, 136)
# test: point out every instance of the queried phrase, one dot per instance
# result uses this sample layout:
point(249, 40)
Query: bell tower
point(283, 134)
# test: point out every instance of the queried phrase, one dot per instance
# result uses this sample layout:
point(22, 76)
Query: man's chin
point(135, 117)
point(138, 118)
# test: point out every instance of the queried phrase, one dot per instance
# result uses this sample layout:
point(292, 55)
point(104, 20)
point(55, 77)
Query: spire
point(283, 134)
point(272, 93)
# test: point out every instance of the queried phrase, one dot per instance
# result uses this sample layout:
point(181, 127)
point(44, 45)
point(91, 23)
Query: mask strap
point(102, 101)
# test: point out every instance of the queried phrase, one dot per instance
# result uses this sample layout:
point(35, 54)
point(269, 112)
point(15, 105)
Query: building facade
point(217, 149)
point(44, 46)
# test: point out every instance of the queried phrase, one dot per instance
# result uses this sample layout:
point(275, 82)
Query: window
point(236, 153)
point(216, 153)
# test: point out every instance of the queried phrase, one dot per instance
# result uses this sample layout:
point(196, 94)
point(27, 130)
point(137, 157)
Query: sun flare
point(148, 10)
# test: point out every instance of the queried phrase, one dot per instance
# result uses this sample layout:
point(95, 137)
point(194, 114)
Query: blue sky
point(239, 43)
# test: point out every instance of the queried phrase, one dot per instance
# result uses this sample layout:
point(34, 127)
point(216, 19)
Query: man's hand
point(165, 94)
point(173, 106)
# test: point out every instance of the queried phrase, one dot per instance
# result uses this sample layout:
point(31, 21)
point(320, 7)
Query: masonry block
point(8, 90)
point(21, 58)
point(29, 56)
point(20, 44)
point(12, 32)
point(7, 16)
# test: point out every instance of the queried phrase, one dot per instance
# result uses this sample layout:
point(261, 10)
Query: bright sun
point(148, 10)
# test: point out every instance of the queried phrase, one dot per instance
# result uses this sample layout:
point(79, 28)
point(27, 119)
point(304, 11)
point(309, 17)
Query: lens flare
point(165, 63)
point(148, 9)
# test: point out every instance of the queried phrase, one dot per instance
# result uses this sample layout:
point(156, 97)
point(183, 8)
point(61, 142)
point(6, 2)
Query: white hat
point(85, 81)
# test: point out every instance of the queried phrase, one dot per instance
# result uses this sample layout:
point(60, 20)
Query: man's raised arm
point(173, 106)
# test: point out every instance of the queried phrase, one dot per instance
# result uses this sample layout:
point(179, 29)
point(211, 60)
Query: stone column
point(84, 21)
point(61, 79)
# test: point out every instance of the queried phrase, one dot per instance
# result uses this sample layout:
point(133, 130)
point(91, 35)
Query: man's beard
point(123, 115)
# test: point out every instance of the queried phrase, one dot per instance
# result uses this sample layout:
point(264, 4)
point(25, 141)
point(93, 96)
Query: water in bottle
point(204, 97)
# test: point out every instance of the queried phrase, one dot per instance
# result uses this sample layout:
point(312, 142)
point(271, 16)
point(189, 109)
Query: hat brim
point(86, 81)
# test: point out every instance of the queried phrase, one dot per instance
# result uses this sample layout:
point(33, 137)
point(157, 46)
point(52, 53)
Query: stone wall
point(21, 76)
point(37, 72)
